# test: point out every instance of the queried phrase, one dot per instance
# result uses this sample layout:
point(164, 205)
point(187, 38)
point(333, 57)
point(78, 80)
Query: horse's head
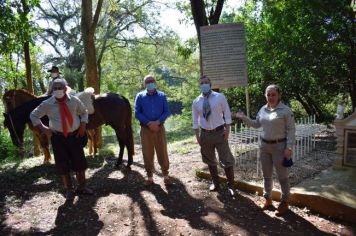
point(15, 128)
point(9, 100)
point(16, 97)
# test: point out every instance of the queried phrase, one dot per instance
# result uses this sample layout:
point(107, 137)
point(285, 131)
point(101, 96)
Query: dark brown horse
point(16, 97)
point(110, 109)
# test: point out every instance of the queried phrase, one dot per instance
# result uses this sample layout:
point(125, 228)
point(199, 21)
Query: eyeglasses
point(57, 88)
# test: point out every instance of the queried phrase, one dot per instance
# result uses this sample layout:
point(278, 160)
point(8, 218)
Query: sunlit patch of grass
point(184, 146)
point(178, 128)
point(108, 150)
point(22, 164)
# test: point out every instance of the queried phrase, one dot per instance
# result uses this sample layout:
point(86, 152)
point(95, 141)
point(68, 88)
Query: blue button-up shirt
point(151, 107)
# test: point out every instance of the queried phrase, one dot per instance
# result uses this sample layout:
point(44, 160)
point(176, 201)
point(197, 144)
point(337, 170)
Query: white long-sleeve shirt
point(220, 111)
point(50, 108)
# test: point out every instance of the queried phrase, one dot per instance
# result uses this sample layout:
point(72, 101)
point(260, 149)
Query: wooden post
point(247, 102)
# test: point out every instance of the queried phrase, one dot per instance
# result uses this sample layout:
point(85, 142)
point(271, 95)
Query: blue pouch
point(287, 163)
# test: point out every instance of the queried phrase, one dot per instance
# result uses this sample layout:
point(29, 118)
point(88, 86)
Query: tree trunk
point(91, 69)
point(305, 105)
point(88, 25)
point(26, 47)
point(353, 93)
point(29, 83)
point(42, 86)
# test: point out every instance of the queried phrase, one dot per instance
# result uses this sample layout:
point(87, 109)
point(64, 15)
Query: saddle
point(87, 97)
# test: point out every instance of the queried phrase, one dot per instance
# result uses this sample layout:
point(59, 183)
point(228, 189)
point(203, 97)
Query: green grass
point(183, 146)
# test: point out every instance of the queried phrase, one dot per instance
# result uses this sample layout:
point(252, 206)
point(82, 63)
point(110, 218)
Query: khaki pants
point(152, 141)
point(212, 141)
point(272, 155)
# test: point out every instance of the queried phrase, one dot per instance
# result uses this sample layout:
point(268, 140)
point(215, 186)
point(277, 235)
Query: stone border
point(322, 205)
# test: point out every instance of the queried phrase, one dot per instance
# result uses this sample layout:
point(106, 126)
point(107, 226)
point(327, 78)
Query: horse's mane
point(24, 91)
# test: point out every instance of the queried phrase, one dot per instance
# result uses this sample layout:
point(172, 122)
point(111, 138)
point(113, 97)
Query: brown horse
point(16, 97)
point(110, 109)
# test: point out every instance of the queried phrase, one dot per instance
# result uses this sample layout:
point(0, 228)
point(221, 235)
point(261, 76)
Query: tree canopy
point(307, 47)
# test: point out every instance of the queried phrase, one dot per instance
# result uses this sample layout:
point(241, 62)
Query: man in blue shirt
point(151, 109)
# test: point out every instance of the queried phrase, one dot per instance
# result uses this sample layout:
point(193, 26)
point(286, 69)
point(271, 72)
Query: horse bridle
point(13, 128)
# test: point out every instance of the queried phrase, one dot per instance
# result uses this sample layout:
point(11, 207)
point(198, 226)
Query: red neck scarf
point(65, 114)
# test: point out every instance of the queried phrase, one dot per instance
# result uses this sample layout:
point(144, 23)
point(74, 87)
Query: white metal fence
point(244, 141)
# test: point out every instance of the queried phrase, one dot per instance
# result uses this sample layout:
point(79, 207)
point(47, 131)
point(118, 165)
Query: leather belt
point(274, 141)
point(213, 130)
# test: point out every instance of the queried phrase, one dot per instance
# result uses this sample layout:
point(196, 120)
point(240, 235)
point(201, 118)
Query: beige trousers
point(151, 142)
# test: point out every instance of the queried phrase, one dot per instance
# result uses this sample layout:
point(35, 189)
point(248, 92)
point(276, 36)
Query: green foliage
point(125, 68)
point(301, 45)
point(8, 152)
point(179, 127)
point(107, 151)
point(16, 28)
point(15, 24)
point(298, 109)
point(187, 48)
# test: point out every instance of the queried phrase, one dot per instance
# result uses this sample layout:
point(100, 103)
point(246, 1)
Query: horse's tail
point(129, 132)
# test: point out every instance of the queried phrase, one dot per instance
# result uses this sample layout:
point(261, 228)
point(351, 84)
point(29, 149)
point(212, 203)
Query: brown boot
point(282, 208)
point(68, 186)
point(215, 186)
point(267, 204)
point(82, 189)
point(229, 172)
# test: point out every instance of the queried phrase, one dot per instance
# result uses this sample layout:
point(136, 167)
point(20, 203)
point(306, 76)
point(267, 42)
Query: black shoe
point(69, 195)
point(168, 182)
point(231, 191)
point(84, 191)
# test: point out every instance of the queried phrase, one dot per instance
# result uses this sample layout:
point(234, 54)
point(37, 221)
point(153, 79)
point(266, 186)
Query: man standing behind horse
point(67, 124)
point(55, 74)
point(151, 109)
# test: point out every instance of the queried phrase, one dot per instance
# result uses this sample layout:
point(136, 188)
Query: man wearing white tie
point(211, 122)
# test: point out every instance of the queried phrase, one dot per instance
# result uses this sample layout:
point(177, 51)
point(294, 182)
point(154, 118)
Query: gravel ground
point(311, 164)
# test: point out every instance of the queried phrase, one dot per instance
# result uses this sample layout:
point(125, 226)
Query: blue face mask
point(205, 88)
point(150, 86)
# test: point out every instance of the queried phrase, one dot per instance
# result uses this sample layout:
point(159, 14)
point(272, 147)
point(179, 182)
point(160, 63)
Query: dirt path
point(31, 204)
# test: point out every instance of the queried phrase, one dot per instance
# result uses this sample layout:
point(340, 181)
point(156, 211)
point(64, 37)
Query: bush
point(7, 149)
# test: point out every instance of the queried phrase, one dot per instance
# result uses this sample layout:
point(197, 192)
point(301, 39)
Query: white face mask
point(58, 93)
point(54, 75)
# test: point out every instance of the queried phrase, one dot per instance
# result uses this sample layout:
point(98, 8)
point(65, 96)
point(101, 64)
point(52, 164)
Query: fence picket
point(244, 141)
